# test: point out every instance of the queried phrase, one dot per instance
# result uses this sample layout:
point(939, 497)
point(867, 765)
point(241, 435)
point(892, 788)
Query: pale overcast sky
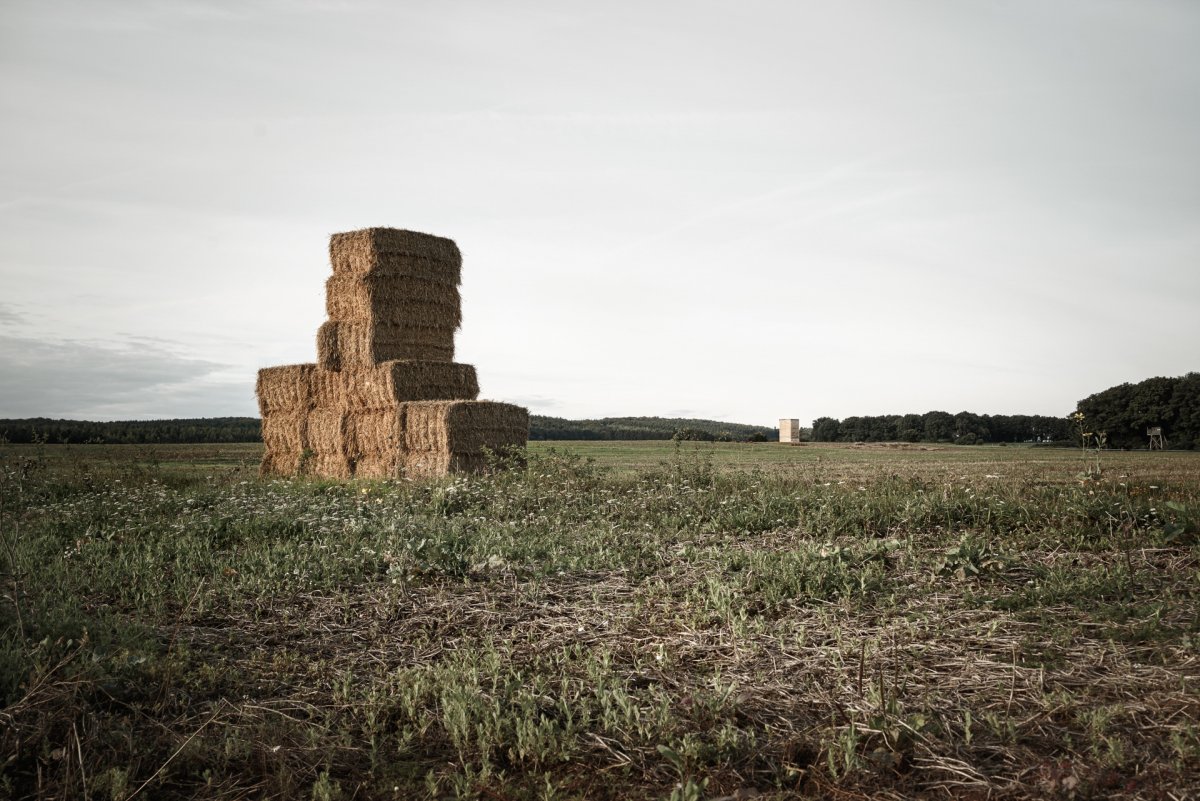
point(733, 210)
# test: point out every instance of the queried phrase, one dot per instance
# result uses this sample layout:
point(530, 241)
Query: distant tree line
point(966, 428)
point(248, 429)
point(132, 432)
point(1125, 411)
point(622, 428)
point(698, 435)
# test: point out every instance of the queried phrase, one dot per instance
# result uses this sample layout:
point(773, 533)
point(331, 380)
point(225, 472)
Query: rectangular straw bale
point(330, 389)
point(396, 251)
point(408, 380)
point(369, 345)
point(279, 463)
point(331, 431)
point(417, 464)
point(360, 353)
point(414, 335)
point(425, 427)
point(352, 346)
point(329, 346)
point(378, 432)
point(286, 432)
point(330, 465)
point(465, 427)
point(288, 387)
point(378, 465)
point(392, 300)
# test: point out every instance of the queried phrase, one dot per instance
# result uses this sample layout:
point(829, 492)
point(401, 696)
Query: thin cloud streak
point(10, 316)
point(119, 380)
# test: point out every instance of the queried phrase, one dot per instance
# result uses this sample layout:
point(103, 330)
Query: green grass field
point(615, 620)
point(193, 461)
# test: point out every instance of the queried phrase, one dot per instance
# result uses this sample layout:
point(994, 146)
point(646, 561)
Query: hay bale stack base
point(385, 398)
point(443, 437)
point(463, 427)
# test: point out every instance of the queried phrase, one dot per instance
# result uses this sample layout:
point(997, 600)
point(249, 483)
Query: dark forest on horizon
point(1122, 413)
point(248, 429)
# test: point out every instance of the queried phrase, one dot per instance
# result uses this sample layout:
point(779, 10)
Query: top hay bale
point(396, 252)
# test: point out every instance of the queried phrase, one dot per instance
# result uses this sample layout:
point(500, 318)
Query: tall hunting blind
point(1156, 437)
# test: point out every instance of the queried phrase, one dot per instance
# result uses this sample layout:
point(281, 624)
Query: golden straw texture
point(394, 301)
point(399, 381)
point(385, 398)
point(284, 388)
point(395, 251)
point(465, 427)
point(357, 346)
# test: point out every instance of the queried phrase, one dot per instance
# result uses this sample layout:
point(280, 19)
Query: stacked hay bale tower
point(385, 397)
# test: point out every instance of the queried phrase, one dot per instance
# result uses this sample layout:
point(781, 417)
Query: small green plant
point(841, 755)
point(689, 790)
point(1182, 525)
point(693, 435)
point(326, 789)
point(114, 782)
point(1091, 443)
point(971, 557)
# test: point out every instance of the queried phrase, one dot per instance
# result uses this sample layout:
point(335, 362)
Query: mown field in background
point(199, 460)
point(614, 620)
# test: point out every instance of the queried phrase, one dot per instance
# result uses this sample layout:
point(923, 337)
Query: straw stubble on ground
point(861, 628)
